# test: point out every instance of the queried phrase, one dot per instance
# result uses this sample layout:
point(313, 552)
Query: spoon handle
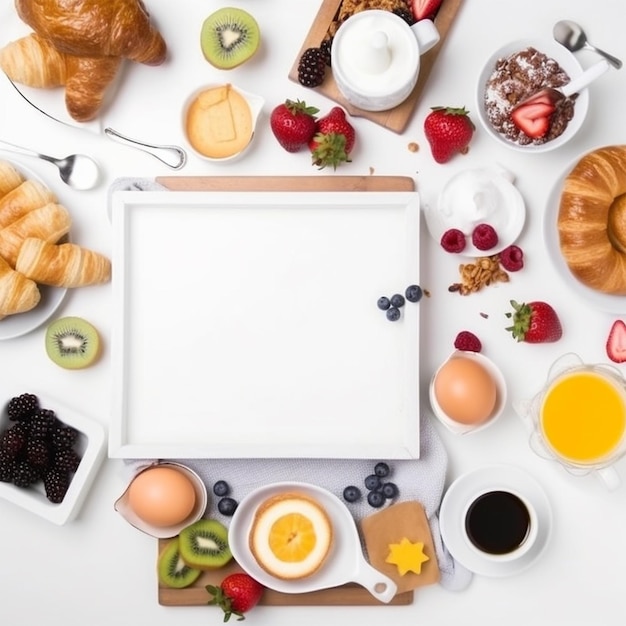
point(173, 156)
point(11, 147)
point(614, 61)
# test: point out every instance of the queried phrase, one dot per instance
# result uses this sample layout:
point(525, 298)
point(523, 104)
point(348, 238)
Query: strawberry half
point(616, 342)
point(425, 9)
point(533, 118)
point(534, 322)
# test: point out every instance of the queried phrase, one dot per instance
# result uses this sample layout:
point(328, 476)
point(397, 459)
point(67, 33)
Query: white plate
point(344, 564)
point(508, 220)
point(606, 302)
point(235, 302)
point(20, 324)
point(462, 492)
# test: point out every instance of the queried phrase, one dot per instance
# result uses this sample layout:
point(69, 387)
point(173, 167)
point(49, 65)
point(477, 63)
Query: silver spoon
point(79, 171)
point(572, 36)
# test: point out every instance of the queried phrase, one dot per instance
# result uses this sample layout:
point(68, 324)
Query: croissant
point(10, 178)
point(18, 294)
point(81, 44)
point(62, 265)
point(592, 220)
point(29, 195)
point(49, 222)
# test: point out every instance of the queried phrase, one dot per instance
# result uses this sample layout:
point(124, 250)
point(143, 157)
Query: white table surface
point(100, 571)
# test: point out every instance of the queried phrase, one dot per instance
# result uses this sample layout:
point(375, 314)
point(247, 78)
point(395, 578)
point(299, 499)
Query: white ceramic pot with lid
point(375, 58)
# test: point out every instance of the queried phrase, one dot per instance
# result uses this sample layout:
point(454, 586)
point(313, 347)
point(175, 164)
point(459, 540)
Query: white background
point(100, 571)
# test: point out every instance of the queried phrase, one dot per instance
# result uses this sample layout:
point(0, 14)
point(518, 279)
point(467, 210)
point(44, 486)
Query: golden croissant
point(49, 222)
point(10, 178)
point(17, 293)
point(27, 196)
point(62, 265)
point(81, 44)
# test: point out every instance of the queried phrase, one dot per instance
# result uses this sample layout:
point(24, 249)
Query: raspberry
point(484, 237)
point(312, 67)
point(512, 258)
point(453, 240)
point(467, 341)
point(22, 407)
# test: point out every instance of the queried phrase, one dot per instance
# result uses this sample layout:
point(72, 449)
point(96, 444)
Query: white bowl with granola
point(517, 71)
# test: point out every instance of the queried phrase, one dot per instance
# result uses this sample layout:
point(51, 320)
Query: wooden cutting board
point(346, 595)
point(394, 119)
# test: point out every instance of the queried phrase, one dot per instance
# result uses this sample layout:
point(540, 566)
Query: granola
point(483, 272)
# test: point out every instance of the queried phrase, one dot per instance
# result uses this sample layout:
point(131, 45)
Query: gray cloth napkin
point(421, 479)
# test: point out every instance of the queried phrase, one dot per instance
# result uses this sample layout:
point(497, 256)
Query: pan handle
point(379, 585)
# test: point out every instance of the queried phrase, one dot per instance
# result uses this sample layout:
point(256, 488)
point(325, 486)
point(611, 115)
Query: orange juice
point(583, 417)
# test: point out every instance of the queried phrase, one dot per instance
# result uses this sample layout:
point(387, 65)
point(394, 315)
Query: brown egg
point(465, 390)
point(162, 496)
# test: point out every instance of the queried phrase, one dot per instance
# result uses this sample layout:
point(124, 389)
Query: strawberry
point(534, 322)
point(448, 130)
point(236, 595)
point(425, 9)
point(616, 342)
point(333, 140)
point(293, 124)
point(533, 118)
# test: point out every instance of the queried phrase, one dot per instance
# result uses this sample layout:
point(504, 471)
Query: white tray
point(246, 325)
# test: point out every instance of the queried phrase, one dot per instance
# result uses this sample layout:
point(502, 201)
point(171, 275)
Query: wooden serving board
point(349, 594)
point(394, 119)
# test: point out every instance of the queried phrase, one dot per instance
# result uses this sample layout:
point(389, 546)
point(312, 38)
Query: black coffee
point(497, 522)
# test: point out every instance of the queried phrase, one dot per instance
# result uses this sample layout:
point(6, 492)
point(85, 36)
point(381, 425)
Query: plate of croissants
point(585, 227)
point(38, 262)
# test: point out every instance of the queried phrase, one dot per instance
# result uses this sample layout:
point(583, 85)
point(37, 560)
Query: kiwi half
point(229, 37)
point(172, 570)
point(72, 342)
point(204, 545)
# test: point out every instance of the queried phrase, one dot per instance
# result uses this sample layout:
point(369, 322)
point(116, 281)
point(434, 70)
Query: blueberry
point(381, 469)
point(393, 314)
point(227, 506)
point(372, 482)
point(397, 300)
point(390, 490)
point(221, 488)
point(351, 494)
point(375, 499)
point(413, 293)
point(383, 303)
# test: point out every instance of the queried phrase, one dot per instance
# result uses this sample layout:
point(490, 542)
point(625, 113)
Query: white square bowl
point(91, 447)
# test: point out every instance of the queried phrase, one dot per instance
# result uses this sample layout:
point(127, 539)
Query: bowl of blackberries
point(49, 455)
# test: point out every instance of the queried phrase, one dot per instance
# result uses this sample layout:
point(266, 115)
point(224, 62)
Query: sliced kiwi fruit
point(72, 342)
point(204, 544)
point(229, 37)
point(172, 570)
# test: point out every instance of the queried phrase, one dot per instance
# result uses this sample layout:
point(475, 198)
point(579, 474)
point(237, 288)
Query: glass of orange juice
point(579, 417)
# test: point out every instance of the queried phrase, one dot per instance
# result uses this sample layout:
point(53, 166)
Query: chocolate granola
point(517, 77)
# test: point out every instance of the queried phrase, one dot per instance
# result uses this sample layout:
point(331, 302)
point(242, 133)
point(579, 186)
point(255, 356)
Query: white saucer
point(464, 489)
point(606, 302)
point(508, 221)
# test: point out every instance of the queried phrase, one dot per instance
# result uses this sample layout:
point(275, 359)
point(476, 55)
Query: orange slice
point(292, 537)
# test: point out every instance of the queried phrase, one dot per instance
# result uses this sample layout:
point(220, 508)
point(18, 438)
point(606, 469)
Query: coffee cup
point(578, 418)
point(500, 524)
point(375, 58)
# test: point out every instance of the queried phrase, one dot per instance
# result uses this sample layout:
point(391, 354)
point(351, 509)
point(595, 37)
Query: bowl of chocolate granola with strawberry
point(511, 95)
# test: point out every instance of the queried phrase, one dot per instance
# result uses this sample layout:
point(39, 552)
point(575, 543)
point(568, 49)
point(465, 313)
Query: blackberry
point(42, 423)
point(37, 453)
point(7, 470)
point(56, 484)
point(66, 460)
point(22, 407)
point(24, 474)
point(326, 47)
point(406, 15)
point(312, 67)
point(63, 437)
point(13, 441)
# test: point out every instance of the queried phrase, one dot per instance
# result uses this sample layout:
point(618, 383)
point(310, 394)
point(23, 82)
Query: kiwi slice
point(204, 544)
point(229, 37)
point(172, 570)
point(72, 342)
